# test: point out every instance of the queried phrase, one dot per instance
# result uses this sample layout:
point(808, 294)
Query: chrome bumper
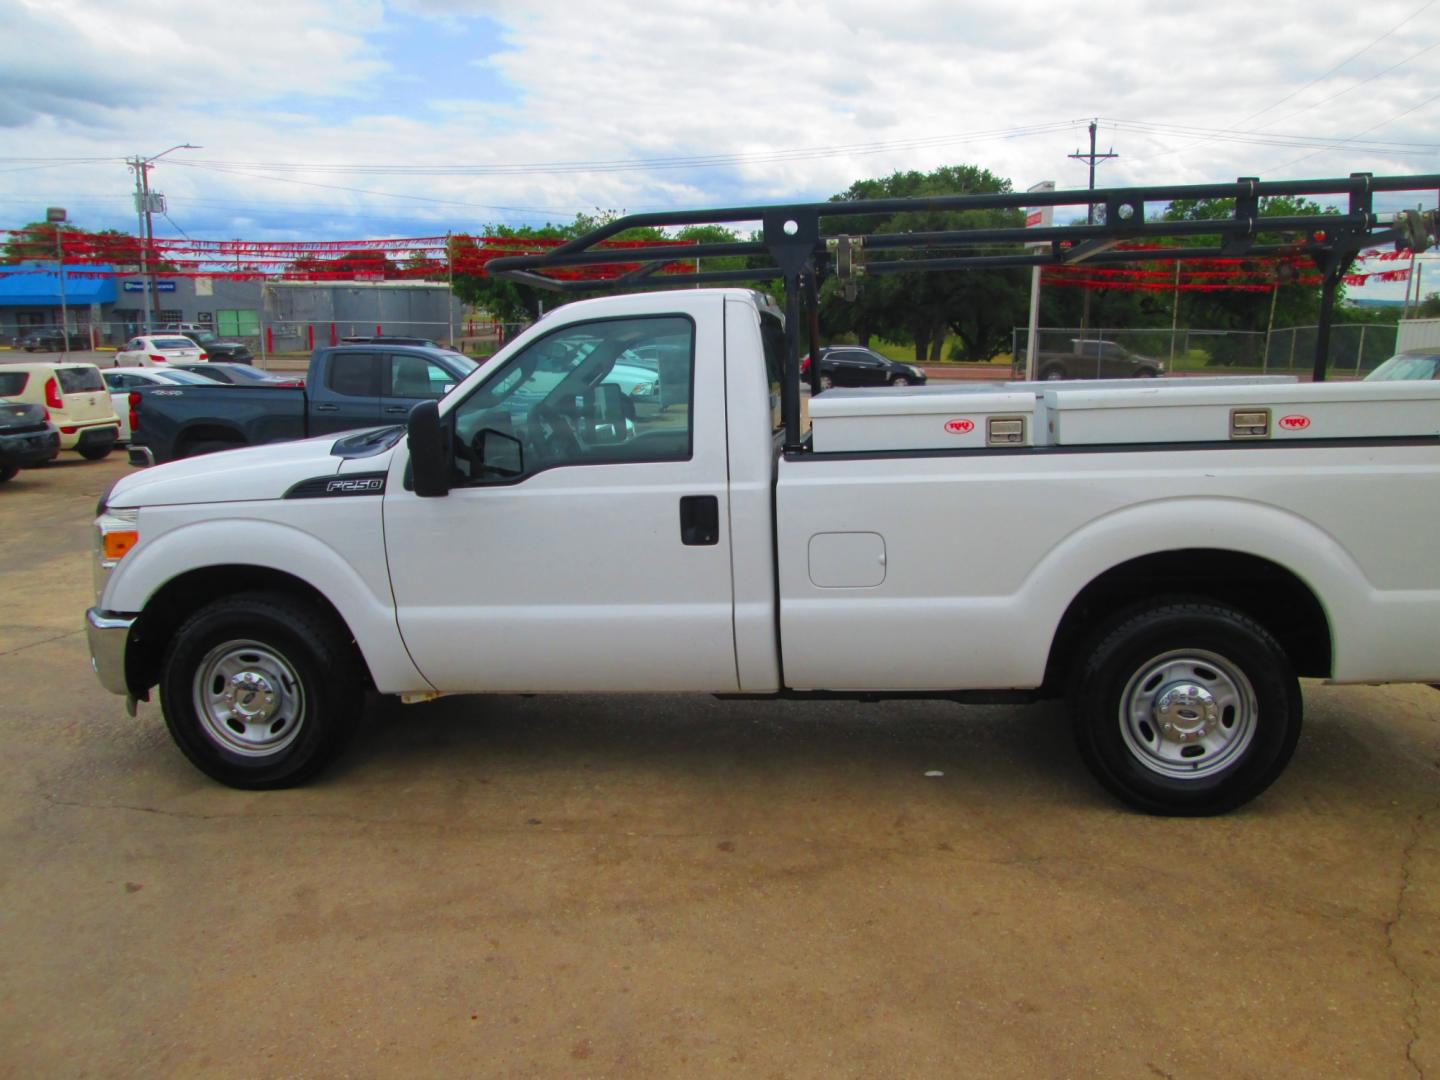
point(142, 456)
point(108, 634)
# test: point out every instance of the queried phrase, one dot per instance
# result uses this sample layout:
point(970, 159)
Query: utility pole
point(144, 210)
point(152, 309)
point(1092, 157)
point(56, 216)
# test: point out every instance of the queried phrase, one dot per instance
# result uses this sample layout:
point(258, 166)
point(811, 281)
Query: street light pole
point(147, 228)
point(56, 216)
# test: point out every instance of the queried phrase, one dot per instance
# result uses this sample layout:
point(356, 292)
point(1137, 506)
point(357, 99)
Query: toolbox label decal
point(960, 426)
point(1295, 422)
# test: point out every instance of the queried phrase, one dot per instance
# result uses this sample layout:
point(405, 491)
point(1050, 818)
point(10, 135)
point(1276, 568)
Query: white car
point(120, 381)
point(158, 350)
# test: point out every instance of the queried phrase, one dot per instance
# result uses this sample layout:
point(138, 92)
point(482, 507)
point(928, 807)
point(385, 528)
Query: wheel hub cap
point(1186, 712)
point(248, 698)
point(251, 697)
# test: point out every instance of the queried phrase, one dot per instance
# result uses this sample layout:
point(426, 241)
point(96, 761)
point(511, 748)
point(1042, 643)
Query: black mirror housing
point(429, 456)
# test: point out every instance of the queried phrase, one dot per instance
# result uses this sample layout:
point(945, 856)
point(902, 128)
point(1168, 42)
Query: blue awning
point(32, 284)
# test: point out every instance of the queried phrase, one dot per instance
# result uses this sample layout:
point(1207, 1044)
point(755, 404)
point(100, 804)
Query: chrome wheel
point(826, 382)
point(900, 380)
point(1188, 714)
point(248, 698)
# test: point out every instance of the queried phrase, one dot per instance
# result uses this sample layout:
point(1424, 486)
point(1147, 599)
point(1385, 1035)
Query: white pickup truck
point(1171, 555)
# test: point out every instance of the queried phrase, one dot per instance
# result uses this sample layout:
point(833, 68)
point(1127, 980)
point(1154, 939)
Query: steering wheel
point(552, 434)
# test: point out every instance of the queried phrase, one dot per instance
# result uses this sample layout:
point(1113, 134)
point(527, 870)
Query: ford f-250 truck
point(1171, 556)
point(346, 387)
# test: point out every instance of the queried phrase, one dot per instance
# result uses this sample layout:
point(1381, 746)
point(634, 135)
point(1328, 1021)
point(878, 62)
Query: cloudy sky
point(331, 119)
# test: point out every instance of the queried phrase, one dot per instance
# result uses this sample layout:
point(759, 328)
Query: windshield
point(1407, 366)
point(183, 378)
point(79, 380)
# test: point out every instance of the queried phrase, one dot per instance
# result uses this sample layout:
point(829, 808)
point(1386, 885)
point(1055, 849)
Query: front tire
point(260, 691)
point(1186, 708)
point(9, 472)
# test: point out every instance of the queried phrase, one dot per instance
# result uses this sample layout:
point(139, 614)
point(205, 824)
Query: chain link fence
point(1356, 349)
point(264, 336)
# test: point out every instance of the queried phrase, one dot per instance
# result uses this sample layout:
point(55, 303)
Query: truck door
point(410, 379)
point(349, 396)
point(585, 542)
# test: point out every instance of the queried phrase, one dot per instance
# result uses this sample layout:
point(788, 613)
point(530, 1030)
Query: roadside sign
point(1040, 216)
point(1036, 218)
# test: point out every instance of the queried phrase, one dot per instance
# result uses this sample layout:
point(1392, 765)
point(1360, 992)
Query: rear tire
point(96, 453)
point(9, 473)
point(260, 690)
point(1186, 708)
point(1053, 374)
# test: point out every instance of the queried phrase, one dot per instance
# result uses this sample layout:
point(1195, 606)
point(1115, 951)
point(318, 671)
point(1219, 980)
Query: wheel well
point(181, 597)
point(1266, 591)
point(209, 433)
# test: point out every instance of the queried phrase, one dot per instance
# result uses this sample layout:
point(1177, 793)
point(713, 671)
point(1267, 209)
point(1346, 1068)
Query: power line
point(639, 164)
point(1357, 86)
point(1318, 79)
point(1341, 144)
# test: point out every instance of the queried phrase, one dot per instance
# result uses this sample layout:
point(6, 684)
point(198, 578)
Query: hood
point(254, 472)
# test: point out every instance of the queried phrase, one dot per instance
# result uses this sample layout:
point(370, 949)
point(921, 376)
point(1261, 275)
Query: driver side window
point(615, 390)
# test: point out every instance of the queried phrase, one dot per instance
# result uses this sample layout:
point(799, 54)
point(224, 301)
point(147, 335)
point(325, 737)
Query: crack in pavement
point(44, 641)
point(1412, 1015)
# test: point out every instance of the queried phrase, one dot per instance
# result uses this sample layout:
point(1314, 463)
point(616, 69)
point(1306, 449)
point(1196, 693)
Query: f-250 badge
point(354, 487)
point(959, 426)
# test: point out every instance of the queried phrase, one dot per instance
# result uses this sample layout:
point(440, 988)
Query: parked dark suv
point(850, 365)
point(50, 339)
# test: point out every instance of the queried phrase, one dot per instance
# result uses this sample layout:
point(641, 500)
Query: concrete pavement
point(674, 886)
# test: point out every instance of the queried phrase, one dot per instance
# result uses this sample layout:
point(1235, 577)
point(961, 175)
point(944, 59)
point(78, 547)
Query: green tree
point(1430, 307)
point(1295, 304)
point(511, 301)
point(35, 242)
point(979, 306)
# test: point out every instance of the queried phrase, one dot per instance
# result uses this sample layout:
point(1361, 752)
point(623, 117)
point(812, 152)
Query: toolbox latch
point(1249, 423)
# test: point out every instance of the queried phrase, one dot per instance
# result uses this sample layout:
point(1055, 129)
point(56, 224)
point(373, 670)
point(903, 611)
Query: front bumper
point(109, 633)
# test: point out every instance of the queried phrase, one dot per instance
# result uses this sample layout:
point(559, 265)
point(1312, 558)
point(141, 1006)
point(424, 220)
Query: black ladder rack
point(794, 248)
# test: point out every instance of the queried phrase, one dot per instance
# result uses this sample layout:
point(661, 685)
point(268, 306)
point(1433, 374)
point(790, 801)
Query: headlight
point(116, 532)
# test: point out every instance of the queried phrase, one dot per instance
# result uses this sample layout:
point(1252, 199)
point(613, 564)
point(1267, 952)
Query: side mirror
point(500, 454)
point(429, 456)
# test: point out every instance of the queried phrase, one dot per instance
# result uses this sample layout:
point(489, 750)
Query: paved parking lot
point(675, 886)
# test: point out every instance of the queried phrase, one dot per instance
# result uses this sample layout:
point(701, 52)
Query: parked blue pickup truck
point(347, 387)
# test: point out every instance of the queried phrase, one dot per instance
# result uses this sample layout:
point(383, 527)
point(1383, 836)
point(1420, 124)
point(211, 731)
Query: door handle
point(699, 520)
point(397, 408)
point(327, 408)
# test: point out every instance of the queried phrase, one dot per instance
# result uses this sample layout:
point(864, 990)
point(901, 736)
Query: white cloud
point(612, 80)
